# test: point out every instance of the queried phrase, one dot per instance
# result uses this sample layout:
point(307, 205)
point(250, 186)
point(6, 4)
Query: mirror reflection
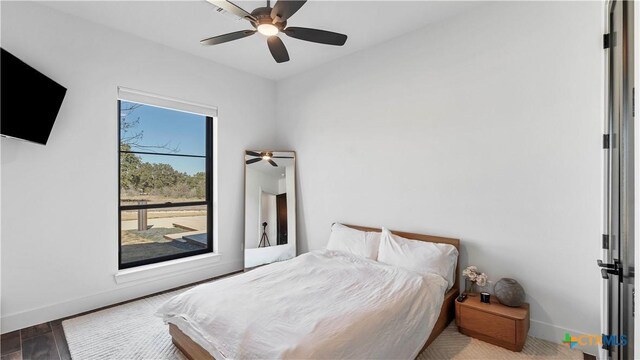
point(270, 207)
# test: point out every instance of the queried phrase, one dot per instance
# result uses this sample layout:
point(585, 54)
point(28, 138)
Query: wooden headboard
point(422, 237)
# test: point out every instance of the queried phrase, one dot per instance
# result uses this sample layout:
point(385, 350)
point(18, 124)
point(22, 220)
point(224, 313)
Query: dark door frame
point(618, 242)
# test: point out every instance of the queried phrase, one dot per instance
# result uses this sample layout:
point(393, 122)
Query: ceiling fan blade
point(317, 36)
point(252, 153)
point(273, 163)
point(278, 50)
point(251, 161)
point(282, 157)
point(284, 9)
point(233, 8)
point(227, 37)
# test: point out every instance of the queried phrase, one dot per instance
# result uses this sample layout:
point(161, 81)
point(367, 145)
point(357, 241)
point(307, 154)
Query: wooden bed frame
point(194, 351)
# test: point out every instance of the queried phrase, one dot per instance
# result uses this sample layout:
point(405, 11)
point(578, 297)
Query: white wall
point(59, 202)
point(485, 127)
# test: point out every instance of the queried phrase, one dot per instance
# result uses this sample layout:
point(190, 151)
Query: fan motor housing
point(263, 15)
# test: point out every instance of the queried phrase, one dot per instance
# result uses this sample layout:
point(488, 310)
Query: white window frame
point(191, 263)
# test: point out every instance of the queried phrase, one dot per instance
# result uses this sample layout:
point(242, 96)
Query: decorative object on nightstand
point(509, 292)
point(485, 297)
point(472, 277)
point(494, 323)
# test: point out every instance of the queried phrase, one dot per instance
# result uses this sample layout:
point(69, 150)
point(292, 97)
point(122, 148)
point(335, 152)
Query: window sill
point(166, 268)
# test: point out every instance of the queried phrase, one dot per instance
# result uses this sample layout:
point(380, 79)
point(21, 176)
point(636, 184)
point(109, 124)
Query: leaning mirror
point(270, 207)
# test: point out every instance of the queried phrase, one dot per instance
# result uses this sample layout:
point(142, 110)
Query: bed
point(315, 306)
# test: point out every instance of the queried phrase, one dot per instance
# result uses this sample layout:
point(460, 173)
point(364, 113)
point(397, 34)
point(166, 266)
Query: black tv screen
point(29, 100)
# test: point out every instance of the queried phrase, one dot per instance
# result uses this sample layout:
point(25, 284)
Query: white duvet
point(321, 305)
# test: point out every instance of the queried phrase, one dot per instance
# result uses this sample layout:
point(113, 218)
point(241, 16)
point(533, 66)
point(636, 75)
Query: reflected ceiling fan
point(266, 156)
point(270, 22)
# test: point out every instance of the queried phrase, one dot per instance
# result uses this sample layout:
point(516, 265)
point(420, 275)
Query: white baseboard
point(554, 333)
point(123, 292)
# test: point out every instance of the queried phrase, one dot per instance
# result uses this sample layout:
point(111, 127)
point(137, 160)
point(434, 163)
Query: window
point(165, 174)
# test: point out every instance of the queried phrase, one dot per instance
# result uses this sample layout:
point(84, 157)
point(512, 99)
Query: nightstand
point(494, 323)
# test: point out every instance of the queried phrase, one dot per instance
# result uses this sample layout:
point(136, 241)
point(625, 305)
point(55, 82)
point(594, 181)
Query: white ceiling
point(182, 24)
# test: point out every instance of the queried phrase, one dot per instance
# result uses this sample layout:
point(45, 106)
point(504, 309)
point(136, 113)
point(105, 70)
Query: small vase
point(469, 286)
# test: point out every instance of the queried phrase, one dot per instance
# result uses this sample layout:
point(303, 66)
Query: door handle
point(613, 269)
point(605, 265)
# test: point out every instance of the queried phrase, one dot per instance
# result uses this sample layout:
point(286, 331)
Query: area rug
point(132, 331)
point(128, 331)
point(453, 345)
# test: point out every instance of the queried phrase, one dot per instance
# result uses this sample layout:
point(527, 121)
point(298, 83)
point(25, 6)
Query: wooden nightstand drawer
point(494, 323)
point(491, 325)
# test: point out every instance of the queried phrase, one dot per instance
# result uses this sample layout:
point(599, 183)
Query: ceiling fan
point(270, 22)
point(266, 156)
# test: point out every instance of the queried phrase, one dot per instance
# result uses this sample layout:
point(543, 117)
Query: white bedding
point(324, 304)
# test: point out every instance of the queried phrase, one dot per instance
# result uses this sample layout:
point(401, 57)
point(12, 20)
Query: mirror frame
point(295, 212)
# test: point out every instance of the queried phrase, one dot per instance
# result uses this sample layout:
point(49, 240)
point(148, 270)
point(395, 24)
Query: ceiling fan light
point(266, 157)
point(268, 29)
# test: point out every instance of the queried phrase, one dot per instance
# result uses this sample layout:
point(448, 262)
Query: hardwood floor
point(43, 341)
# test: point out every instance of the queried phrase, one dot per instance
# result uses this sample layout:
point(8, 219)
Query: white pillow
point(419, 256)
point(360, 243)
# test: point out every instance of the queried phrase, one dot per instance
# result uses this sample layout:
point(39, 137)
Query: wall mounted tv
point(29, 100)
